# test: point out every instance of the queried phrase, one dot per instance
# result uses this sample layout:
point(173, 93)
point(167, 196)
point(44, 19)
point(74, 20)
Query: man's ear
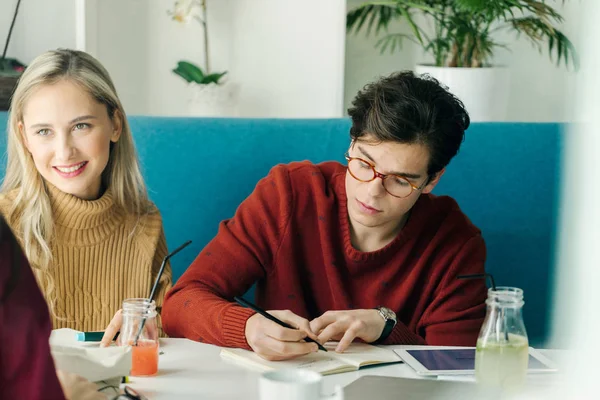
point(21, 132)
point(117, 122)
point(433, 182)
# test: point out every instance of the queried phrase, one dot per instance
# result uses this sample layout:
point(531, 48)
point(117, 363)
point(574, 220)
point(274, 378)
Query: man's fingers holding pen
point(274, 342)
point(302, 324)
point(275, 350)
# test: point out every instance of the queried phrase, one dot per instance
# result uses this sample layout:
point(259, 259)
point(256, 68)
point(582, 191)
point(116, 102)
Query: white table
point(191, 370)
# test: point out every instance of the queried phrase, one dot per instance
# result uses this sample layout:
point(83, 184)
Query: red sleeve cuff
point(234, 326)
point(402, 335)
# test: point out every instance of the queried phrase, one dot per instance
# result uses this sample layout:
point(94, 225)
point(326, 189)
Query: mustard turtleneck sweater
point(100, 256)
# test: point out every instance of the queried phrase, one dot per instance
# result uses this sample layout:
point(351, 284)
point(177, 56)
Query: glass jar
point(140, 331)
point(502, 353)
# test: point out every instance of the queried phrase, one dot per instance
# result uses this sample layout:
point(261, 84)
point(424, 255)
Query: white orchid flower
point(185, 10)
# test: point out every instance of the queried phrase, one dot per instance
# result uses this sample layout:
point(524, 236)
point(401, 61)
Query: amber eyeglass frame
point(377, 174)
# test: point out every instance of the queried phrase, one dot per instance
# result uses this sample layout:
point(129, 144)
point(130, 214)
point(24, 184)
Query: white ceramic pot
point(213, 100)
point(484, 91)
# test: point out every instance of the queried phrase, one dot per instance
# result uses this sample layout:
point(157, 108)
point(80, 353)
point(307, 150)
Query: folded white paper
point(88, 360)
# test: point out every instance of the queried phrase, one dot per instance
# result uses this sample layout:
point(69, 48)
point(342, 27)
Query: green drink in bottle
point(502, 353)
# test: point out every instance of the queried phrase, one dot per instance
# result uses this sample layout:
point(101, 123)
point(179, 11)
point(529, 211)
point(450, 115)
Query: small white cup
point(294, 384)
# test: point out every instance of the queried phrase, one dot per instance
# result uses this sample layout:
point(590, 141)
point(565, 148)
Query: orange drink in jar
point(144, 358)
point(140, 331)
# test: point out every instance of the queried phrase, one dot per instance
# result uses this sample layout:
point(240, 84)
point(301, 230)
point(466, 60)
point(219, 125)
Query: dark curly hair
point(407, 108)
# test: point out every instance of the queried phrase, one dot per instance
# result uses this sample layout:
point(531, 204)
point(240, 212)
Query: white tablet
point(461, 361)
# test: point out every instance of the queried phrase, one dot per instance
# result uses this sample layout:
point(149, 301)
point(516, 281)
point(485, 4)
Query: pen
point(92, 336)
point(268, 316)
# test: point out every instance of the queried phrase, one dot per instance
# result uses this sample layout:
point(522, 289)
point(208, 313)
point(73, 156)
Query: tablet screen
point(457, 359)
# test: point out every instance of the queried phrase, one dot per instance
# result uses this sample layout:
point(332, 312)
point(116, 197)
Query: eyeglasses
point(128, 393)
point(396, 185)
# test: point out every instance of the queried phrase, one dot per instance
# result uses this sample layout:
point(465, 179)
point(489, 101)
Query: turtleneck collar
point(75, 213)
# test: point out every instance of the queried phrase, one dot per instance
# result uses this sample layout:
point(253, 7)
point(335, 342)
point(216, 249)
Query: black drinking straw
point(481, 276)
point(153, 291)
point(493, 284)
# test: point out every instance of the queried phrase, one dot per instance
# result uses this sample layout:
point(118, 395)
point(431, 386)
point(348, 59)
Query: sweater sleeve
point(26, 366)
point(199, 307)
point(455, 314)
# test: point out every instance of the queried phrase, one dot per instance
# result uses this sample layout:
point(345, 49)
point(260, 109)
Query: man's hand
point(348, 325)
point(273, 342)
point(111, 330)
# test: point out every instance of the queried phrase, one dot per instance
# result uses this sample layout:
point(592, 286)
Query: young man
point(356, 251)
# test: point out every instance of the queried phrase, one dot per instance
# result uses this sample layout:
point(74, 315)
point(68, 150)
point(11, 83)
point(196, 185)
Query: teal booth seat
point(505, 178)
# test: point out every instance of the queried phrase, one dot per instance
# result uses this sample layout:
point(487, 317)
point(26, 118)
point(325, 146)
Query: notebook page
point(321, 362)
point(361, 354)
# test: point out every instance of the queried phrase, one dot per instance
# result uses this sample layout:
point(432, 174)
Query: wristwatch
point(389, 317)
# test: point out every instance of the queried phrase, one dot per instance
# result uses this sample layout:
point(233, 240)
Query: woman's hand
point(111, 330)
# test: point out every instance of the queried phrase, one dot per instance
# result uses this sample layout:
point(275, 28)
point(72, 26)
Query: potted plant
point(459, 34)
point(10, 68)
point(211, 94)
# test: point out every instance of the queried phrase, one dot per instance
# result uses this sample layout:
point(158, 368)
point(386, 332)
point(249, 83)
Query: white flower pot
point(213, 100)
point(483, 91)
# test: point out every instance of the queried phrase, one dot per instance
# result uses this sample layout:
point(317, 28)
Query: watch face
point(387, 313)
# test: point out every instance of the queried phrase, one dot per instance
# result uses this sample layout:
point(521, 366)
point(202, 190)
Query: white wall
point(576, 318)
point(116, 34)
point(6, 11)
point(297, 49)
point(365, 63)
point(287, 56)
point(539, 91)
point(41, 25)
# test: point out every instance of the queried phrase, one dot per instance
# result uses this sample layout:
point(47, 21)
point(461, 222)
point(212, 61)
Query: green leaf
point(374, 16)
point(183, 74)
point(378, 15)
point(539, 31)
point(413, 26)
point(393, 40)
point(213, 78)
point(356, 18)
point(461, 32)
point(190, 72)
point(564, 49)
point(472, 5)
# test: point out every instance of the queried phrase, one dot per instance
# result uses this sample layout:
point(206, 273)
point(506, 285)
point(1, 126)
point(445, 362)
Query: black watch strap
point(387, 330)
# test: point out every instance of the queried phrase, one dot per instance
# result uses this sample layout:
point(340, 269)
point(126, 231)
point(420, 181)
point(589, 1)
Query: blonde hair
point(32, 204)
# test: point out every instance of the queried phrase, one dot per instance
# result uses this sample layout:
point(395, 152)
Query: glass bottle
point(139, 318)
point(502, 353)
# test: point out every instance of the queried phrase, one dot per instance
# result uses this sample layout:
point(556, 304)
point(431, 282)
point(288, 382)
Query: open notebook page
point(357, 355)
point(362, 354)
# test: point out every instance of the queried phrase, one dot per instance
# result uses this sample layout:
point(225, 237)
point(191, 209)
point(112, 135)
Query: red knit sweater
point(292, 237)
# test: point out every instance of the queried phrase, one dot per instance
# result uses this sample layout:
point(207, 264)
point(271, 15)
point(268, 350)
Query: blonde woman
point(74, 194)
